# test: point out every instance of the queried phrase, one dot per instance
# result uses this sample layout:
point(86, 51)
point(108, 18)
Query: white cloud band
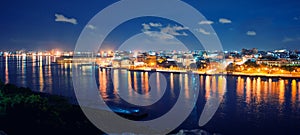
point(62, 18)
point(251, 33)
point(224, 20)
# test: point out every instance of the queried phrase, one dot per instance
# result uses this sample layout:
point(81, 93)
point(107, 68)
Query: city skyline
point(46, 25)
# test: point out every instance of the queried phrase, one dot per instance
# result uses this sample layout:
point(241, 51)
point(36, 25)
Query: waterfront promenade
point(209, 72)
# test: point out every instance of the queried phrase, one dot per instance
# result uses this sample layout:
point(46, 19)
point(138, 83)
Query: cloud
point(90, 26)
point(173, 30)
point(180, 28)
point(296, 18)
point(149, 43)
point(155, 24)
point(206, 22)
point(291, 39)
point(287, 39)
point(168, 32)
point(62, 18)
point(146, 26)
point(251, 33)
point(159, 35)
point(203, 31)
point(184, 34)
point(224, 20)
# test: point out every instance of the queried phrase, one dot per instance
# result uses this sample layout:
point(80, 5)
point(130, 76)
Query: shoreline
point(287, 76)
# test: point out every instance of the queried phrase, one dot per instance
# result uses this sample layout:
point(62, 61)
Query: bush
point(26, 112)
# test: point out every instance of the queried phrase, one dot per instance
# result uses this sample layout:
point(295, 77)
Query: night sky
point(48, 24)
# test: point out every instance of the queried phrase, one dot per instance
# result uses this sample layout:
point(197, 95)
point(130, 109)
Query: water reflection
point(36, 72)
point(253, 97)
point(260, 90)
point(6, 71)
point(215, 86)
point(158, 82)
point(298, 92)
point(146, 81)
point(240, 86)
point(248, 90)
point(103, 83)
point(116, 80)
point(222, 82)
point(145, 84)
point(186, 86)
point(135, 84)
point(23, 70)
point(129, 83)
point(294, 91)
point(281, 91)
point(172, 84)
point(41, 75)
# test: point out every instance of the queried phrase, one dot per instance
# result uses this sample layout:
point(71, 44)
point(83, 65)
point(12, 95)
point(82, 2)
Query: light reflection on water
point(6, 71)
point(256, 101)
point(37, 72)
point(268, 90)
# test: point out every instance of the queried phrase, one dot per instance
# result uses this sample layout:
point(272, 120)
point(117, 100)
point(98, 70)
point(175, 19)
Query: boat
point(132, 114)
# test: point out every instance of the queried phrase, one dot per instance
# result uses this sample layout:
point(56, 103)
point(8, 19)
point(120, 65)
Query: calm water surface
point(251, 105)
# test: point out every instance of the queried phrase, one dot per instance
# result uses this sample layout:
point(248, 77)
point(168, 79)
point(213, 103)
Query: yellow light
point(58, 53)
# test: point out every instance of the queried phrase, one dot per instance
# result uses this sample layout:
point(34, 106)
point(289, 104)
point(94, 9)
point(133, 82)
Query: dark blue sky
point(268, 24)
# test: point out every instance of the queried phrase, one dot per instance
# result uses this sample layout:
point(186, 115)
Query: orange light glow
point(58, 53)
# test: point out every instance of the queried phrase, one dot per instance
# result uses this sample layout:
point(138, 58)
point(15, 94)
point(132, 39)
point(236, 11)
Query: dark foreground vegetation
point(25, 112)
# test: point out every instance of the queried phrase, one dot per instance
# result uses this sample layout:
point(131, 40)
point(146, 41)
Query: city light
point(136, 60)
